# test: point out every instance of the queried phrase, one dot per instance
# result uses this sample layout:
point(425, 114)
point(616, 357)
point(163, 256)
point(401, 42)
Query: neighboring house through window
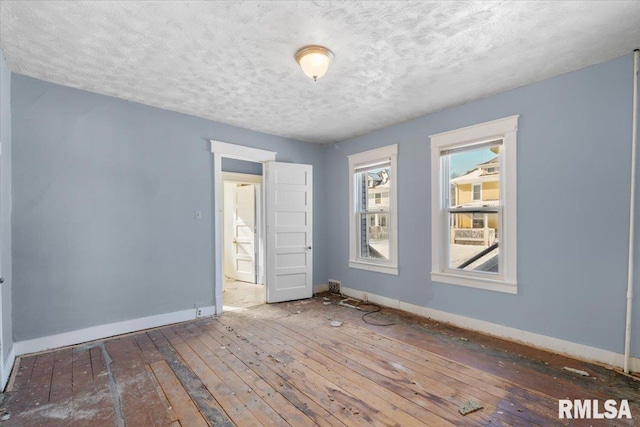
point(474, 206)
point(373, 237)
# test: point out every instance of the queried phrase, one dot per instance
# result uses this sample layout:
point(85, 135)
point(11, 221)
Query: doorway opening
point(242, 255)
point(285, 242)
point(222, 150)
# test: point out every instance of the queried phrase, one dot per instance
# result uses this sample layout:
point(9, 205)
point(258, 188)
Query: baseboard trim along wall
point(6, 368)
point(105, 331)
point(555, 345)
point(320, 288)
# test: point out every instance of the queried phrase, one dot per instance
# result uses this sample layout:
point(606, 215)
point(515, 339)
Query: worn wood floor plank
point(320, 415)
point(246, 394)
point(169, 413)
point(62, 376)
point(149, 352)
point(479, 378)
point(210, 409)
point(272, 408)
point(82, 373)
point(344, 399)
point(423, 405)
point(141, 403)
point(24, 367)
point(41, 376)
point(187, 411)
point(228, 396)
point(128, 372)
point(529, 372)
point(417, 368)
point(540, 401)
point(310, 384)
point(362, 386)
point(532, 369)
point(103, 411)
point(283, 365)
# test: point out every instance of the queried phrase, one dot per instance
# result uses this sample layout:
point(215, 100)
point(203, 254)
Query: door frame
point(219, 150)
point(256, 181)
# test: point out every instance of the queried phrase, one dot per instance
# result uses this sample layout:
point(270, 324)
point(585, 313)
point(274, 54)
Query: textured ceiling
point(233, 61)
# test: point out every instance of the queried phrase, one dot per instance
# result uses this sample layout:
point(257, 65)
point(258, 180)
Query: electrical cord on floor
point(376, 309)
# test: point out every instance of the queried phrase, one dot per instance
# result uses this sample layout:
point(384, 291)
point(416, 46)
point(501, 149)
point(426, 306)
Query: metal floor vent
point(334, 287)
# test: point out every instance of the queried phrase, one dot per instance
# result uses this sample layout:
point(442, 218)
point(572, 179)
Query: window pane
point(474, 177)
point(477, 192)
point(473, 241)
point(373, 188)
point(478, 220)
point(374, 236)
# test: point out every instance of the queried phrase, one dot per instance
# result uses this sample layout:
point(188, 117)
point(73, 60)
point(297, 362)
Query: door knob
point(308, 247)
point(235, 242)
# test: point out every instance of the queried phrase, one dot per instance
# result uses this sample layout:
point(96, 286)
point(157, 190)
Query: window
point(373, 238)
point(478, 220)
point(474, 213)
point(477, 192)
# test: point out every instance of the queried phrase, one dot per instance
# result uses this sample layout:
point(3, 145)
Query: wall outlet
point(198, 214)
point(198, 312)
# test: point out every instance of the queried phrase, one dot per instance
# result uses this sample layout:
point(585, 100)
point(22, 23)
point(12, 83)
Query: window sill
point(378, 268)
point(475, 282)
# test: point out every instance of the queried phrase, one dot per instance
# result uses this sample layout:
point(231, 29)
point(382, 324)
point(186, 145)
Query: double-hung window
point(477, 191)
point(373, 225)
point(473, 198)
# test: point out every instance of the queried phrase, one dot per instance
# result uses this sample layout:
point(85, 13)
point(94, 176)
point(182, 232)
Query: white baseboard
point(104, 331)
point(545, 342)
point(321, 288)
point(207, 311)
point(7, 366)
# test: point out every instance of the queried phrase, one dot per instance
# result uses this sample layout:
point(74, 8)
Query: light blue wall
point(241, 166)
point(574, 145)
point(105, 194)
point(5, 204)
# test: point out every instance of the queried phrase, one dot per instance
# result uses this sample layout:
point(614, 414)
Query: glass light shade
point(314, 60)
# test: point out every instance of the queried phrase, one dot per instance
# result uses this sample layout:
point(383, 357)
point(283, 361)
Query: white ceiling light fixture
point(314, 60)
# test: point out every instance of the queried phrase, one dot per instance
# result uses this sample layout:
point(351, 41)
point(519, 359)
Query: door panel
point(289, 210)
point(244, 228)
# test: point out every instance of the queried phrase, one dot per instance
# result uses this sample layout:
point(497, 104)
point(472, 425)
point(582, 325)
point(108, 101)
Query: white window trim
point(473, 191)
point(505, 129)
point(355, 160)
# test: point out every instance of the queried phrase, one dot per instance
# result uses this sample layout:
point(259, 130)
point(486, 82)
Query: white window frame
point(473, 192)
point(483, 219)
point(506, 130)
point(357, 160)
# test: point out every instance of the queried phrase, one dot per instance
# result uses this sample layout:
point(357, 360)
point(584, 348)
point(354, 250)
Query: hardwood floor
point(284, 365)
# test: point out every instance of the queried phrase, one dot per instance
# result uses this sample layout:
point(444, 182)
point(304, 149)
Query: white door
point(289, 211)
point(244, 229)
